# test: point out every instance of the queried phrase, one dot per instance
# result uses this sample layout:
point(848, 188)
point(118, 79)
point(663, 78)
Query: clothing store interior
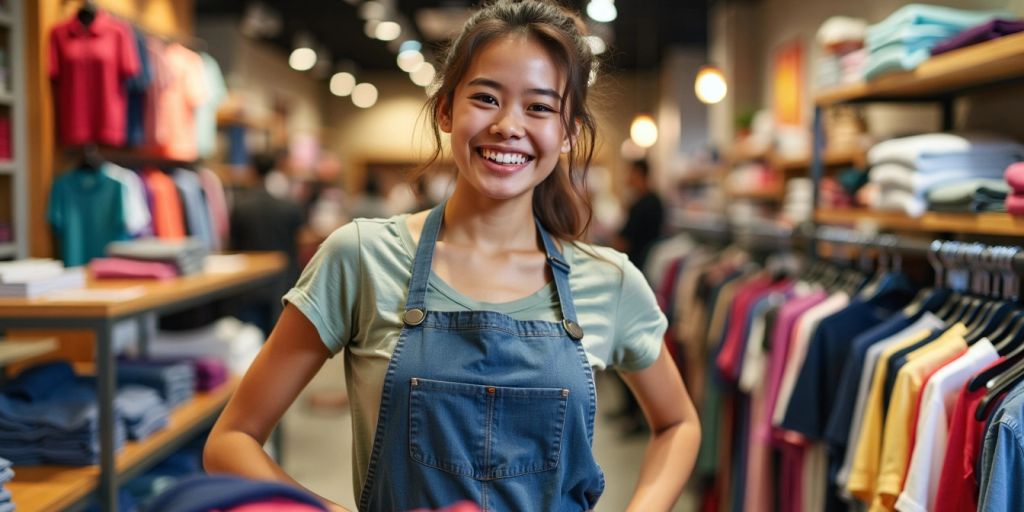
point(825, 200)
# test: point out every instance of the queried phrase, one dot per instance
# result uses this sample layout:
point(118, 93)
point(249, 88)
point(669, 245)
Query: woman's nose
point(508, 126)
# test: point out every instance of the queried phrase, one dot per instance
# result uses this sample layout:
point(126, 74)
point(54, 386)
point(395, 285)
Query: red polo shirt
point(88, 67)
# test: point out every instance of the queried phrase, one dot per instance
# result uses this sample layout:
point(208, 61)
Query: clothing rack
point(92, 154)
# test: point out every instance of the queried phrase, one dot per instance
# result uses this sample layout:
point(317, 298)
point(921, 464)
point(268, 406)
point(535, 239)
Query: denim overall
point(479, 406)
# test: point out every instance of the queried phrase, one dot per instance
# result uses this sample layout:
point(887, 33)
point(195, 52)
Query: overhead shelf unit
point(940, 79)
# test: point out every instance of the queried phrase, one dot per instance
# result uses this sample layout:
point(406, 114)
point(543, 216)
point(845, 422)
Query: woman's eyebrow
point(487, 82)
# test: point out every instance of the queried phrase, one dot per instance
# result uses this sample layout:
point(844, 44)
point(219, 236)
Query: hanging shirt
point(206, 111)
point(896, 437)
point(137, 219)
point(958, 482)
point(137, 86)
point(1002, 460)
point(89, 66)
point(918, 330)
point(864, 468)
point(183, 92)
point(933, 416)
point(213, 190)
point(197, 215)
point(86, 212)
point(168, 214)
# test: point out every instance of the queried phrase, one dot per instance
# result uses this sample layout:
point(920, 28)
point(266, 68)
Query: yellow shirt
point(864, 472)
point(896, 438)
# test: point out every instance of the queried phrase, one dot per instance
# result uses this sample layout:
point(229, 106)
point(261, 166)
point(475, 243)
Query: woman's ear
point(444, 115)
point(570, 138)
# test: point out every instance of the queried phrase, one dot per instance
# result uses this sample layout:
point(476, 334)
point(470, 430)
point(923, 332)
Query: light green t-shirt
point(354, 291)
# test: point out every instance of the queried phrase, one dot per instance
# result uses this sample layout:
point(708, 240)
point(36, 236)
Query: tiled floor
point(318, 447)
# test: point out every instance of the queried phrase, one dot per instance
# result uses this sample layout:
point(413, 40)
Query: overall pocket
point(485, 432)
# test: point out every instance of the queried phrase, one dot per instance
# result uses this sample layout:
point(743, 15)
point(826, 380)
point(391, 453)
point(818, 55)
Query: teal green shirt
point(354, 290)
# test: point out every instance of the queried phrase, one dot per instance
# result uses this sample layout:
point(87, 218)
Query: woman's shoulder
point(596, 261)
point(369, 235)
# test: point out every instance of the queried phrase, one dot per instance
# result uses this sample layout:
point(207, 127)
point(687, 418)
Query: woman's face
point(505, 120)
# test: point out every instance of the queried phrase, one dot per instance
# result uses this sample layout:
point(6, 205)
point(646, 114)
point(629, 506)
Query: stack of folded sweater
point(905, 39)
point(175, 382)
point(48, 415)
point(151, 258)
point(992, 29)
point(969, 196)
point(843, 55)
point(228, 340)
point(906, 170)
point(6, 474)
point(143, 410)
point(1015, 182)
point(797, 206)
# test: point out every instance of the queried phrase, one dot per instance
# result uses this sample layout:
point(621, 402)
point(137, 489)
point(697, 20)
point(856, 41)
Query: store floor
point(318, 446)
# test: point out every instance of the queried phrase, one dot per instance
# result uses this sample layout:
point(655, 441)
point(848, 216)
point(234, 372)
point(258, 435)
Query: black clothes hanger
point(91, 159)
point(1003, 383)
point(1008, 336)
point(87, 12)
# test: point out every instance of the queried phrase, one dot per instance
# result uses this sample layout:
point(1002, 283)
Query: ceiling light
point(302, 59)
point(423, 75)
point(410, 60)
point(602, 11)
point(597, 45)
point(364, 95)
point(342, 83)
point(372, 10)
point(370, 29)
point(643, 131)
point(388, 31)
point(710, 85)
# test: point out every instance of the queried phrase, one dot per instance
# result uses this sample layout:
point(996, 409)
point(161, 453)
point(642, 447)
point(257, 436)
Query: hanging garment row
point(823, 387)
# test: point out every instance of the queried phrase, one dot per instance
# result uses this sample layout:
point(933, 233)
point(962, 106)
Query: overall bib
point(479, 406)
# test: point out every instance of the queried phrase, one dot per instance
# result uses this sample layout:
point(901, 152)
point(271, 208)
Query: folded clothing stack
point(174, 382)
point(48, 415)
point(127, 268)
point(905, 39)
point(143, 410)
point(186, 255)
point(843, 56)
point(6, 474)
point(797, 205)
point(228, 340)
point(992, 29)
point(976, 195)
point(905, 170)
point(1015, 180)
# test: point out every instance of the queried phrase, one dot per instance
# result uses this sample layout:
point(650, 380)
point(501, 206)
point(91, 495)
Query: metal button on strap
point(415, 382)
point(565, 392)
point(490, 390)
point(414, 317)
point(573, 328)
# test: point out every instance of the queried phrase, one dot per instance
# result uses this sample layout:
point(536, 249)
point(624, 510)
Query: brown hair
point(560, 201)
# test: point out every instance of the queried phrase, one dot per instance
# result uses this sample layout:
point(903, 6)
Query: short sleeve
point(195, 81)
point(639, 323)
point(327, 291)
point(129, 52)
point(1002, 490)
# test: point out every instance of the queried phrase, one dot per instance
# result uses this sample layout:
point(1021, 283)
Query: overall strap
point(424, 257)
point(560, 271)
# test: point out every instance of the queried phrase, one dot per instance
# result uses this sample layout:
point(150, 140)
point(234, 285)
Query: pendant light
point(643, 131)
point(710, 85)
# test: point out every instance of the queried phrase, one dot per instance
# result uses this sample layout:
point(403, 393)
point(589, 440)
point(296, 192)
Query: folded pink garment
point(124, 268)
point(274, 505)
point(1015, 204)
point(1015, 176)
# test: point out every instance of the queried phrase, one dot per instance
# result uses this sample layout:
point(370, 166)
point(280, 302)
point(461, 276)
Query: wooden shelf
point(995, 224)
point(59, 487)
point(831, 158)
point(979, 65)
point(15, 350)
point(775, 193)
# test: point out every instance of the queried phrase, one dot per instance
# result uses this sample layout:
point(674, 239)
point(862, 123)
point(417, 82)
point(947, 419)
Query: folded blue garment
point(893, 58)
point(984, 160)
point(39, 382)
point(923, 14)
point(6, 475)
point(7, 507)
point(146, 428)
point(913, 37)
point(203, 493)
point(5, 495)
point(4, 463)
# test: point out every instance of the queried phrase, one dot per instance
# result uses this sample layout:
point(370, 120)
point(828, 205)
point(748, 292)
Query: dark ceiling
point(642, 30)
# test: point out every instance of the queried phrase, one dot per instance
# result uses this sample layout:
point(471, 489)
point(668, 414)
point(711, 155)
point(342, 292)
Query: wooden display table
point(98, 307)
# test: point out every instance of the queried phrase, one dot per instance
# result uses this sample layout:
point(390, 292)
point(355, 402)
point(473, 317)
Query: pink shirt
point(184, 90)
point(88, 67)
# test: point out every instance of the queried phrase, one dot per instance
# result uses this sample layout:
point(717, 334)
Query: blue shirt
point(86, 211)
point(1003, 457)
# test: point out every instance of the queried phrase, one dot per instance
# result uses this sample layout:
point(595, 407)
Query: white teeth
point(504, 158)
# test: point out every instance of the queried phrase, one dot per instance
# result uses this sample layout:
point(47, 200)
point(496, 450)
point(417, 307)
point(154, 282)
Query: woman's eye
point(485, 98)
point(540, 107)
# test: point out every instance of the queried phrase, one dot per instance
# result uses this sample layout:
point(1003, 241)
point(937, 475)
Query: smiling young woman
point(471, 331)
